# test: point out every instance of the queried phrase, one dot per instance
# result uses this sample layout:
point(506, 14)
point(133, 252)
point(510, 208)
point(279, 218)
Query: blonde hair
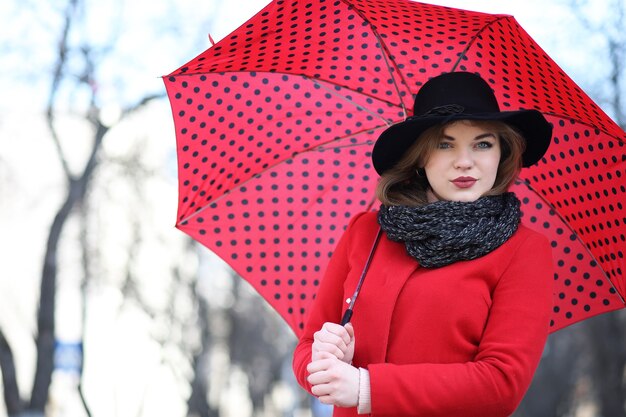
point(400, 186)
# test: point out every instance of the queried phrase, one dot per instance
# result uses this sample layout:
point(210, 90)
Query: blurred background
point(105, 308)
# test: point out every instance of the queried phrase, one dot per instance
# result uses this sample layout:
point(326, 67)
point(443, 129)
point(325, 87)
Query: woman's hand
point(334, 381)
point(334, 339)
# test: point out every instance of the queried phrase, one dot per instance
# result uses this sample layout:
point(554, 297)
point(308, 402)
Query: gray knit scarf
point(444, 232)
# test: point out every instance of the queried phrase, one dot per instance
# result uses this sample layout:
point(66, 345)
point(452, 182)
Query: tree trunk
point(47, 300)
point(12, 398)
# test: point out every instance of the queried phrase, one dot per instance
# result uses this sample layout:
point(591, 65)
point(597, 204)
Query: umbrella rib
point(315, 80)
point(395, 84)
point(385, 54)
point(573, 232)
point(319, 147)
point(340, 96)
point(347, 100)
point(473, 39)
point(338, 138)
point(619, 139)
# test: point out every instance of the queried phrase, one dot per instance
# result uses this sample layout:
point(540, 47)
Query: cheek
point(491, 174)
point(493, 167)
point(434, 173)
point(492, 164)
point(435, 164)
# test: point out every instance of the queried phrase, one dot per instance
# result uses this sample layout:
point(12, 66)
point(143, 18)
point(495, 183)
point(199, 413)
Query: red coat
point(460, 340)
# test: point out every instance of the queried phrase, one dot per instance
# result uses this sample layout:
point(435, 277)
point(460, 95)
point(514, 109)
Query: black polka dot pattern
point(581, 285)
point(275, 124)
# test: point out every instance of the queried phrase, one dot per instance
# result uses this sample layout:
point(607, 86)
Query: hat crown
point(455, 92)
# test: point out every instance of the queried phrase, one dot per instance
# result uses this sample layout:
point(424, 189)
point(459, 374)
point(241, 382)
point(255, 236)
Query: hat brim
point(397, 139)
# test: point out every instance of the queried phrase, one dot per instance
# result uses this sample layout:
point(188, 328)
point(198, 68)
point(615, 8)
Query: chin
point(455, 195)
point(465, 198)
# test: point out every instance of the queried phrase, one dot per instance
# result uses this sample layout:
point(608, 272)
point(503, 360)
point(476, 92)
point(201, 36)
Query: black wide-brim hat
point(459, 96)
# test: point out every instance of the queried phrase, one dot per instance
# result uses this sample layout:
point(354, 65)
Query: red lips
point(464, 182)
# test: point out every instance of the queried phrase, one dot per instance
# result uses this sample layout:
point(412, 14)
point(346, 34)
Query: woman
point(453, 315)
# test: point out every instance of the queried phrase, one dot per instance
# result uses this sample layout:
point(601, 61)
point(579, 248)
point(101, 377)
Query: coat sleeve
point(328, 303)
point(496, 380)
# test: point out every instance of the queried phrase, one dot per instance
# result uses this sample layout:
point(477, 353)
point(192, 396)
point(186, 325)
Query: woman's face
point(464, 164)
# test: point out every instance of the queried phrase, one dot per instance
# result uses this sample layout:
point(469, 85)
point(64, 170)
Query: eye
point(444, 145)
point(484, 145)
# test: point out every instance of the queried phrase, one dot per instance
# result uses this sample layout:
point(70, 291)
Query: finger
point(321, 364)
point(318, 378)
point(326, 336)
point(322, 354)
point(350, 330)
point(327, 355)
point(326, 399)
point(327, 347)
point(338, 330)
point(322, 390)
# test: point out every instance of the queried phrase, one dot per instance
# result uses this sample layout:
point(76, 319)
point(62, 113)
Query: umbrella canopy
point(276, 122)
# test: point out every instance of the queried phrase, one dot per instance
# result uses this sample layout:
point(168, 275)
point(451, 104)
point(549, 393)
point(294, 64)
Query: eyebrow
point(479, 137)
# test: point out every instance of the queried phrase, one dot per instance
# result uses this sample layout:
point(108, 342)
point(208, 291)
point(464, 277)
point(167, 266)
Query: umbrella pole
point(348, 314)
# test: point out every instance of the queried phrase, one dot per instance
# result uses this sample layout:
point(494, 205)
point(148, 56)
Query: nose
point(463, 159)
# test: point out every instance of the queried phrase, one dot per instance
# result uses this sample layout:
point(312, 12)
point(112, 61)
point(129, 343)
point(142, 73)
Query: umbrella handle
point(346, 317)
point(348, 314)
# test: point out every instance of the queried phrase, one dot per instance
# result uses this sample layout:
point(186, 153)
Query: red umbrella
point(275, 124)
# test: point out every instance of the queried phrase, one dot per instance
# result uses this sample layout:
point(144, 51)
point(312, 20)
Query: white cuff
point(364, 404)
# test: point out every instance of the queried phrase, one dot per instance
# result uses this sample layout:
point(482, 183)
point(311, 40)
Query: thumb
point(350, 330)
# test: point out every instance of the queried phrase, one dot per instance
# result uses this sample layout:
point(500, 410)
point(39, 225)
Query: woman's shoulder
point(365, 218)
point(525, 236)
point(526, 232)
point(363, 223)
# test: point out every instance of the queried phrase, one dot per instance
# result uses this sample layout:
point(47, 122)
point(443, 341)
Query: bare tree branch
point(612, 30)
point(616, 51)
point(142, 103)
point(57, 77)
